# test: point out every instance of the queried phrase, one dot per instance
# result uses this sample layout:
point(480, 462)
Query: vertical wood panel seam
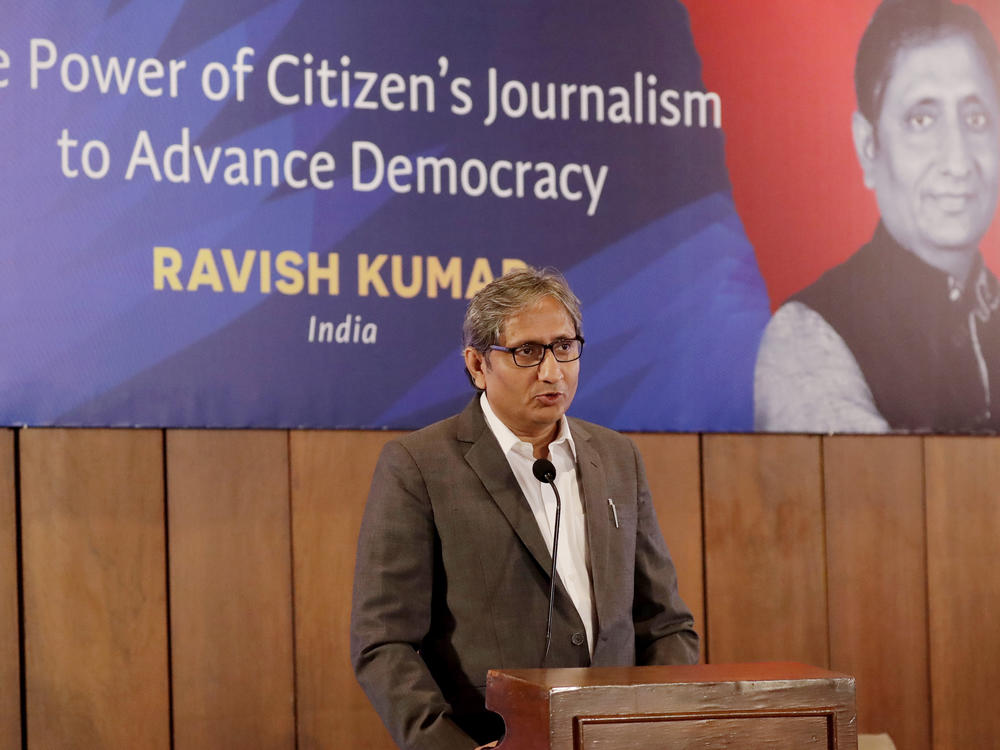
point(291, 590)
point(927, 589)
point(826, 548)
point(167, 590)
point(704, 543)
point(19, 565)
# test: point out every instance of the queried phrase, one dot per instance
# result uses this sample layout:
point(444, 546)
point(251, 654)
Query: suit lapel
point(593, 490)
point(490, 465)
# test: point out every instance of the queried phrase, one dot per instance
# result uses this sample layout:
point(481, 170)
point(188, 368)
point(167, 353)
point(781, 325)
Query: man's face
point(529, 400)
point(934, 161)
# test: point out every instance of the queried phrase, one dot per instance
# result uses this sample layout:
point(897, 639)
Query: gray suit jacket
point(452, 579)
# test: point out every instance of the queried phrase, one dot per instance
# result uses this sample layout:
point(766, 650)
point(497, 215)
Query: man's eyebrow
point(927, 101)
point(539, 343)
point(972, 99)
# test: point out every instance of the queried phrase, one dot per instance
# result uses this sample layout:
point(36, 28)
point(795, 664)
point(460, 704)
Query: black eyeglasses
point(532, 354)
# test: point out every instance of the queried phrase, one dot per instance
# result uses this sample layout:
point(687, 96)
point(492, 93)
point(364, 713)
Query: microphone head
point(544, 471)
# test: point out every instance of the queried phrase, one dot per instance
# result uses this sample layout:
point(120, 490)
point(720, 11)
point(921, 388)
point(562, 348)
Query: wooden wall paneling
point(963, 529)
point(673, 469)
point(331, 473)
point(95, 608)
point(877, 580)
point(765, 557)
point(10, 658)
point(230, 589)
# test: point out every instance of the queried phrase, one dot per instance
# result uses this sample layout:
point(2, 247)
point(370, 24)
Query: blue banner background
point(673, 301)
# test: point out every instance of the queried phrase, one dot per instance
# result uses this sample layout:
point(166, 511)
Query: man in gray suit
point(454, 557)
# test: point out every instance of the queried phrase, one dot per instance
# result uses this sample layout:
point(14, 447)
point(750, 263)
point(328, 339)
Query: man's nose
point(956, 153)
point(549, 369)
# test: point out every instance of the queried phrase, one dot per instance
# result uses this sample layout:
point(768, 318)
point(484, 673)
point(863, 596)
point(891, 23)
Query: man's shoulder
point(439, 432)
point(834, 281)
point(466, 425)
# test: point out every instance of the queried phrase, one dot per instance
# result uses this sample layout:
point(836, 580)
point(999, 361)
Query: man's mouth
point(952, 203)
point(550, 398)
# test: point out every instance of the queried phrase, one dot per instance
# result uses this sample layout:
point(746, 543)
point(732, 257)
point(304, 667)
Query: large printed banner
point(272, 213)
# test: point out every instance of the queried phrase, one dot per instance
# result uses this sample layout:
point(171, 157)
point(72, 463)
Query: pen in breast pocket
point(614, 512)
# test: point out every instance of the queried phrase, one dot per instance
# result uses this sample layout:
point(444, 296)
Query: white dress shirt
point(573, 563)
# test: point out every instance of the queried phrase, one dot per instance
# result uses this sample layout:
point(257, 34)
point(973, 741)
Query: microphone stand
point(545, 472)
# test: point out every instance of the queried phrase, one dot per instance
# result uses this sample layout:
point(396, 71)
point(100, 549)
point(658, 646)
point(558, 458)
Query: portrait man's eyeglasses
point(531, 354)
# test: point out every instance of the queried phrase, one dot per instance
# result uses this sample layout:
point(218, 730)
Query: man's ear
point(865, 146)
point(475, 364)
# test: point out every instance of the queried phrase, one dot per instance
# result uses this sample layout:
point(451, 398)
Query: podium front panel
point(705, 733)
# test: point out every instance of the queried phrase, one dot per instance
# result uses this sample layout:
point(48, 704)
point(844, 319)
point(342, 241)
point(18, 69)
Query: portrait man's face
point(529, 400)
point(934, 157)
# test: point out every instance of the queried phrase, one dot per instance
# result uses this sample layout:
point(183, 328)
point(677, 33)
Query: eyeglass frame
point(545, 347)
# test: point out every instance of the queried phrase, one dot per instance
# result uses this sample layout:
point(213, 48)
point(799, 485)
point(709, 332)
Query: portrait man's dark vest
point(929, 351)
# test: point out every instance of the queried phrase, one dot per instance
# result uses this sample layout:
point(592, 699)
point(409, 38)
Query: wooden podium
point(708, 707)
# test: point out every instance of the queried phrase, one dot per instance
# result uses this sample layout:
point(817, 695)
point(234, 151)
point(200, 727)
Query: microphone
point(545, 472)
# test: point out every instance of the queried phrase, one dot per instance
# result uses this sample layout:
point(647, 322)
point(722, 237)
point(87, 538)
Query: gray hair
point(495, 303)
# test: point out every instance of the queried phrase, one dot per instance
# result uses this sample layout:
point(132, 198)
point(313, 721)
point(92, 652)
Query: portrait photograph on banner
point(864, 167)
point(777, 216)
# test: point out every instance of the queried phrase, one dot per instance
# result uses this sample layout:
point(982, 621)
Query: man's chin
point(956, 232)
point(549, 414)
point(957, 241)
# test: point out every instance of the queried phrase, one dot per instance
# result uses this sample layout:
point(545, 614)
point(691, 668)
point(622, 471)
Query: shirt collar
point(509, 441)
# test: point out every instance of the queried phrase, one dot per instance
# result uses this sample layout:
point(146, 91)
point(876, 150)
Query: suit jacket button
point(578, 639)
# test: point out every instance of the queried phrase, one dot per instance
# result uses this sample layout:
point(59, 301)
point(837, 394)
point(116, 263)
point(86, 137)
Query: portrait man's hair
point(898, 24)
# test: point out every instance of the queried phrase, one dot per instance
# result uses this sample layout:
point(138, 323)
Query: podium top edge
point(689, 673)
